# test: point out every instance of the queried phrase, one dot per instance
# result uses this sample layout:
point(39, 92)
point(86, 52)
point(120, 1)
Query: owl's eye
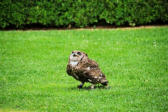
point(72, 52)
point(78, 53)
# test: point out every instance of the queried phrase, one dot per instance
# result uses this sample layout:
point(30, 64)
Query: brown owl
point(85, 70)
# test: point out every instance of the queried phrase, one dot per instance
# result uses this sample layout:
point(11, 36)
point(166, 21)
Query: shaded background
point(81, 13)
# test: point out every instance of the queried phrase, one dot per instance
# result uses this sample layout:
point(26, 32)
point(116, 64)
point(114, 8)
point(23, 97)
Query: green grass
point(33, 70)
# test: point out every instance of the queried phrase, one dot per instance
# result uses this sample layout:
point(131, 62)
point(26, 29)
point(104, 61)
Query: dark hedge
point(81, 13)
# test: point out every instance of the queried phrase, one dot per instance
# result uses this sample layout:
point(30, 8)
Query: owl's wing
point(92, 64)
point(90, 70)
point(69, 70)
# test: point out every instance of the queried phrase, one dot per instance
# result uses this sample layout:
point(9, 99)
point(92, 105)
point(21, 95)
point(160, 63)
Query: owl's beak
point(74, 55)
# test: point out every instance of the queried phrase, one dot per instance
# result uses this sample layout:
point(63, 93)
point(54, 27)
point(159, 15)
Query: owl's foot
point(92, 86)
point(81, 85)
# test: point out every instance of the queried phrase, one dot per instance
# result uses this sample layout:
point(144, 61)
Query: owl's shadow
point(89, 87)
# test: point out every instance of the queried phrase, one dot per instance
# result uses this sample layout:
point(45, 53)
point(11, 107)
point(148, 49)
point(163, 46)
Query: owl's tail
point(104, 81)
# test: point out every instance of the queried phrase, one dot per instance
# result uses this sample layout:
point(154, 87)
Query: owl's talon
point(92, 87)
point(81, 85)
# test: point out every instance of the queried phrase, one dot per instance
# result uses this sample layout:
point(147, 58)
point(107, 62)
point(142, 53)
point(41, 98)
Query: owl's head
point(77, 56)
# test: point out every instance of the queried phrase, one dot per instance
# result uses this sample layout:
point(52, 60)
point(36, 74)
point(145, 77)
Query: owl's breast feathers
point(86, 71)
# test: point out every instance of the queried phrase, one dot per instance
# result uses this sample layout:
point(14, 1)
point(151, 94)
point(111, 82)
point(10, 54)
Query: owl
point(84, 69)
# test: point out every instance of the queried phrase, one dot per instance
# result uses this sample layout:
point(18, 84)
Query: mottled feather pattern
point(84, 69)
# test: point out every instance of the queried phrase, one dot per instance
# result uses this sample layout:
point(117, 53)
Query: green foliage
point(81, 13)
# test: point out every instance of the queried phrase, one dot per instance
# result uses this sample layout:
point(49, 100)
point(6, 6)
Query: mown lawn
point(33, 70)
